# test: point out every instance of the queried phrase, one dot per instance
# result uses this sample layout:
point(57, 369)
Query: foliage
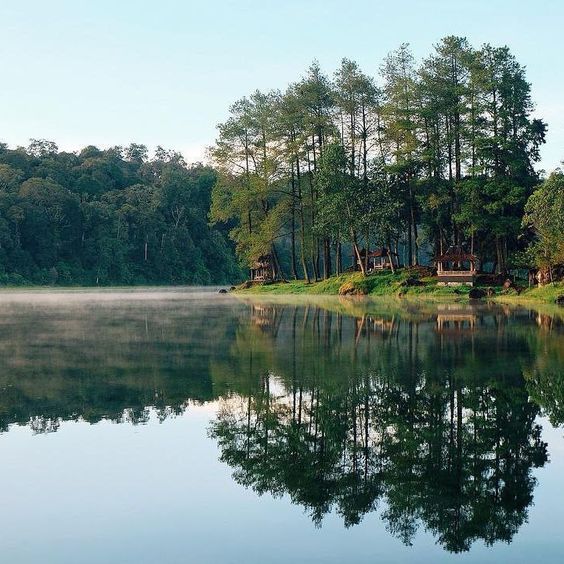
point(544, 214)
point(438, 153)
point(108, 217)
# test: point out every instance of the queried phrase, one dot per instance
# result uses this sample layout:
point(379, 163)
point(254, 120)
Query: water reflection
point(428, 414)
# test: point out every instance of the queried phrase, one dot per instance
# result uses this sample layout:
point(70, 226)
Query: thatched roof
point(456, 253)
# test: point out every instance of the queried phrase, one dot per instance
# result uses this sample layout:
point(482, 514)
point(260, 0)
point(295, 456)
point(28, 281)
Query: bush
point(351, 289)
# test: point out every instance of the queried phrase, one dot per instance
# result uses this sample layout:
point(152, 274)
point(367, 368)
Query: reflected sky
point(123, 422)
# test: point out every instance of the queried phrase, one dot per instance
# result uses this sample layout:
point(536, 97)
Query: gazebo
point(456, 267)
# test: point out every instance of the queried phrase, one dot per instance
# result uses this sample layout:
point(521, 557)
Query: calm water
point(187, 426)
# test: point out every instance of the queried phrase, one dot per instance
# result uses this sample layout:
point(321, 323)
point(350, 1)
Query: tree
point(443, 153)
point(340, 199)
point(400, 127)
point(544, 215)
point(249, 163)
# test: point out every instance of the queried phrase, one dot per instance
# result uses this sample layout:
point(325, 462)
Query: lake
point(182, 425)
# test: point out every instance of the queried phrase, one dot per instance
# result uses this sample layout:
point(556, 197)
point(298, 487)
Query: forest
point(426, 156)
point(115, 216)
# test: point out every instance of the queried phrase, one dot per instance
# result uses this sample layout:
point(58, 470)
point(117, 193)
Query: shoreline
point(404, 285)
point(400, 286)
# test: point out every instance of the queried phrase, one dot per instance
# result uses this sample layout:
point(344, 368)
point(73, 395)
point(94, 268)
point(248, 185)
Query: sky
point(165, 73)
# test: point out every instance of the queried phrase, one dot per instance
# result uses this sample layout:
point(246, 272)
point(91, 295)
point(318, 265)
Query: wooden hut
point(382, 259)
point(379, 259)
point(456, 267)
point(261, 270)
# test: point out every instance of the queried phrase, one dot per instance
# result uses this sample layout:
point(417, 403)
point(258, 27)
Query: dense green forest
point(108, 217)
point(429, 155)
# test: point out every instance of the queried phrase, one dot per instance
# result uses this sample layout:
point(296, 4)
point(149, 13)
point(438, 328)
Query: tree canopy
point(544, 214)
point(430, 154)
point(111, 216)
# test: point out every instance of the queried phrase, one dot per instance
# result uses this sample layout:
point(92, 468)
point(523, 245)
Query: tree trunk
point(499, 258)
point(415, 244)
point(314, 262)
point(413, 223)
point(293, 234)
point(317, 259)
point(315, 242)
point(357, 252)
point(392, 267)
point(326, 258)
point(409, 241)
point(302, 223)
point(276, 270)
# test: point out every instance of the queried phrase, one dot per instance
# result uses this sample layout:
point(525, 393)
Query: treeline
point(429, 155)
point(111, 216)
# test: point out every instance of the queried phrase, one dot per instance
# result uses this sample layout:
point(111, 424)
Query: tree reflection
point(545, 374)
point(427, 414)
point(438, 430)
point(94, 363)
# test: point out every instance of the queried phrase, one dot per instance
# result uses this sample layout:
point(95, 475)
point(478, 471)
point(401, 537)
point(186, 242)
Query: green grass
point(546, 294)
point(388, 284)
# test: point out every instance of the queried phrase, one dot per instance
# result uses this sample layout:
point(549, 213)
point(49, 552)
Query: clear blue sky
point(111, 72)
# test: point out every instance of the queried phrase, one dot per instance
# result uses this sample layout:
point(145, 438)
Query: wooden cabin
point(379, 259)
point(261, 270)
point(456, 267)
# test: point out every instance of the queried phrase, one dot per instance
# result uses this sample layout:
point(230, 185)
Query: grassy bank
point(405, 283)
point(547, 294)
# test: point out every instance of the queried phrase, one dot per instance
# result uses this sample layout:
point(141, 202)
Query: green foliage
point(544, 214)
point(440, 153)
point(108, 217)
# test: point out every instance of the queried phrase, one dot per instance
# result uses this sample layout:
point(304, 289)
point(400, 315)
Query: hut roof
point(381, 252)
point(264, 261)
point(455, 253)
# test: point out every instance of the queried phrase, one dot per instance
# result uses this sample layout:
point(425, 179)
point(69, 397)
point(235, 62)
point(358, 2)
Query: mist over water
point(179, 424)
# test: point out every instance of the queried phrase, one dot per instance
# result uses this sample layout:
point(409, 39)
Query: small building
point(379, 259)
point(261, 270)
point(456, 267)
